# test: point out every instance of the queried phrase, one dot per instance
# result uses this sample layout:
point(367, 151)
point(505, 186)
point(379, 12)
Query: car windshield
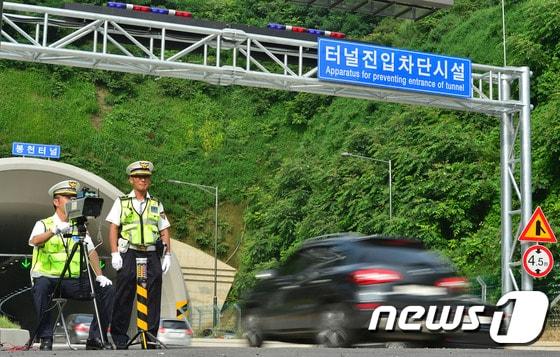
point(173, 324)
point(83, 319)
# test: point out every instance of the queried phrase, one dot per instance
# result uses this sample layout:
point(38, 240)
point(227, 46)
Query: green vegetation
point(276, 155)
point(6, 323)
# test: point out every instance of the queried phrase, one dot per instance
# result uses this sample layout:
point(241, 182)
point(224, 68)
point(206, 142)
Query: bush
point(6, 323)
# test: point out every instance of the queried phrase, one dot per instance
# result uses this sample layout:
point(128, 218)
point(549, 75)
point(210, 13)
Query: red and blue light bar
point(151, 9)
point(274, 26)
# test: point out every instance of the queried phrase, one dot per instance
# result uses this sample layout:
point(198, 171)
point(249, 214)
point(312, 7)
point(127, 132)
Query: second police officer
point(138, 226)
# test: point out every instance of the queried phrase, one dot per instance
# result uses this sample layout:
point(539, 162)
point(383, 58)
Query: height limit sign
point(537, 261)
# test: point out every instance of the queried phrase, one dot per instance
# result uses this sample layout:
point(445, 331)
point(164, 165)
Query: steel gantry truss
point(232, 56)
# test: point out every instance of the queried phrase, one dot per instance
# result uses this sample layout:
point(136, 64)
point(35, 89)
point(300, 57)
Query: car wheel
point(253, 332)
point(333, 330)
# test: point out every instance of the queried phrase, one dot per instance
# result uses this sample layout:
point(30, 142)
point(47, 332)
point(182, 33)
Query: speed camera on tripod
point(87, 204)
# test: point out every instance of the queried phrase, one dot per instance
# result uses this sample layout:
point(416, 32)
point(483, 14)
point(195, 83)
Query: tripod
point(84, 262)
point(142, 307)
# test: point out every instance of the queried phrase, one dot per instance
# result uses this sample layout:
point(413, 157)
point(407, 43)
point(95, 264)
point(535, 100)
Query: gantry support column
point(506, 161)
point(526, 190)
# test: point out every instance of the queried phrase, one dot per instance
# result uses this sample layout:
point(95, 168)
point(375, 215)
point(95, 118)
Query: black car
point(327, 290)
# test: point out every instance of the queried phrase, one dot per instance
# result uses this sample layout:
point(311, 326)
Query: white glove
point(62, 227)
point(116, 260)
point(166, 263)
point(103, 281)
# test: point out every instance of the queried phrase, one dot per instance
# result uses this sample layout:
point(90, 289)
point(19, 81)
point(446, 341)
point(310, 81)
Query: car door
point(316, 285)
point(297, 303)
point(305, 289)
point(278, 314)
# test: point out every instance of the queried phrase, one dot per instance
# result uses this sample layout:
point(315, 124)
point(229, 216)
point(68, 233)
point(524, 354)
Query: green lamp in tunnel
point(26, 263)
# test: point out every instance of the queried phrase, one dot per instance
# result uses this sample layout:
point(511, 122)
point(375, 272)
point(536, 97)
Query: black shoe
point(46, 344)
point(121, 347)
point(153, 346)
point(108, 345)
point(96, 344)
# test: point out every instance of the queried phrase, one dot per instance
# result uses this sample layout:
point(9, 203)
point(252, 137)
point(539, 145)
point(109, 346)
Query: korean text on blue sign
point(36, 150)
point(365, 64)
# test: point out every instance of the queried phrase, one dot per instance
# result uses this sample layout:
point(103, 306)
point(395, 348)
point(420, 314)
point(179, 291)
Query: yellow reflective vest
point(49, 258)
point(140, 229)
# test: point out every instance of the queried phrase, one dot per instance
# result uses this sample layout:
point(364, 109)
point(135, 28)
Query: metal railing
point(228, 322)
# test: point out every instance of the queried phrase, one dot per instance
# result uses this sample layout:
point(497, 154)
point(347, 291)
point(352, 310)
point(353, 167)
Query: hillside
point(276, 155)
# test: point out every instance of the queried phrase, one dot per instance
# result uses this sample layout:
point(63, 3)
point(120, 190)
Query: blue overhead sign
point(377, 66)
point(36, 150)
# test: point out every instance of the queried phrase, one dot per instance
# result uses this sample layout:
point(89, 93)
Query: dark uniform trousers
point(126, 292)
point(77, 289)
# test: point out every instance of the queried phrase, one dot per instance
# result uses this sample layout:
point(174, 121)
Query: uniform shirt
point(39, 228)
point(114, 215)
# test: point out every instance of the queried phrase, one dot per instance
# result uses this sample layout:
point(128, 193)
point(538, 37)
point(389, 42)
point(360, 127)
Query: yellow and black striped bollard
point(142, 299)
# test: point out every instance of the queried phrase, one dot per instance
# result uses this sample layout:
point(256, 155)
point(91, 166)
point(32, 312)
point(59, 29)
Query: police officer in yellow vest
point(51, 248)
point(138, 225)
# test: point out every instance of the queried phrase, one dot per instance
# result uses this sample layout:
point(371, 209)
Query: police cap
point(140, 168)
point(65, 188)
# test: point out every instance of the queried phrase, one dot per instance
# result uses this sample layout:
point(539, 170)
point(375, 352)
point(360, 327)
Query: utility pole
point(1, 15)
point(213, 190)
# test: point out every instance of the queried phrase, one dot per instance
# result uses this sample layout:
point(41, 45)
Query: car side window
point(311, 258)
point(295, 264)
point(325, 256)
